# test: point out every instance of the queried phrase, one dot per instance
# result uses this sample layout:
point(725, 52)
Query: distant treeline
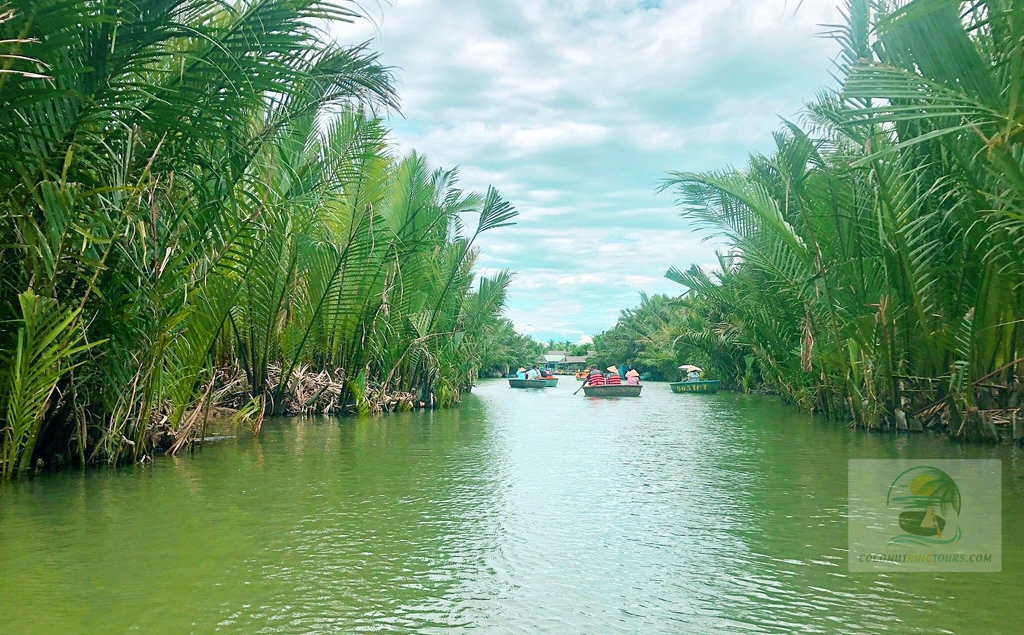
point(508, 350)
point(875, 268)
point(645, 337)
point(198, 198)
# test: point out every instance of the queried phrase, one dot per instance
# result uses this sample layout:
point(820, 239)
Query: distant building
point(563, 362)
point(551, 359)
point(573, 363)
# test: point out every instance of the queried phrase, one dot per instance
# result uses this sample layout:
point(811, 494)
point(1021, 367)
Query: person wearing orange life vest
point(613, 378)
point(595, 378)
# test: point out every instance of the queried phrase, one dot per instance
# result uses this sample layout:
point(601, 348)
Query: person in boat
point(693, 375)
point(613, 378)
point(533, 373)
point(521, 373)
point(632, 377)
point(595, 378)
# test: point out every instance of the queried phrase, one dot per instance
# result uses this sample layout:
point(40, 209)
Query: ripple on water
point(519, 512)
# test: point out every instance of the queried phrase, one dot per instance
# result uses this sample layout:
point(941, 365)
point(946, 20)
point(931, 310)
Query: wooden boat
point(551, 381)
point(709, 386)
point(612, 391)
point(527, 383)
point(580, 375)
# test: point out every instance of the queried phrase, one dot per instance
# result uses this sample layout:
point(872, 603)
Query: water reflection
point(520, 512)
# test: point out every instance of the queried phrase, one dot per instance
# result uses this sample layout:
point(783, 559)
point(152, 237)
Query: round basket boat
point(708, 387)
point(528, 383)
point(612, 391)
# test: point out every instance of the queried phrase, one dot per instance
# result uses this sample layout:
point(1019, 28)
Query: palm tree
point(879, 248)
point(195, 184)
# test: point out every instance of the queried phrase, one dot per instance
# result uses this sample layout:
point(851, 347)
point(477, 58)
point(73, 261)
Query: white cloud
point(516, 139)
point(577, 109)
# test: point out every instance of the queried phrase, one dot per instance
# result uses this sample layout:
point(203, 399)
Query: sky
point(577, 110)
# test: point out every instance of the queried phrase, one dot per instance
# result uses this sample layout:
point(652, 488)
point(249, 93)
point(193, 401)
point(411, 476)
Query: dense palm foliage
point(644, 337)
point(876, 257)
point(194, 189)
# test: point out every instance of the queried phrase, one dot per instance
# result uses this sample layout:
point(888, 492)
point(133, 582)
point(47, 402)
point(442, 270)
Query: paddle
point(585, 382)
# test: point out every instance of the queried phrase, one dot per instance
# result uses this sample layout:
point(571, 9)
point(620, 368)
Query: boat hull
point(612, 391)
point(708, 387)
point(527, 383)
point(551, 381)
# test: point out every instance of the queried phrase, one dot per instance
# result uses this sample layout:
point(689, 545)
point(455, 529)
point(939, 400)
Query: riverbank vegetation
point(200, 208)
point(874, 267)
point(644, 338)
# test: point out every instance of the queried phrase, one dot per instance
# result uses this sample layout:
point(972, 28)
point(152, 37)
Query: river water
point(518, 512)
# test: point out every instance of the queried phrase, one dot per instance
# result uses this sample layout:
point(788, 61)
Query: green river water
point(518, 512)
